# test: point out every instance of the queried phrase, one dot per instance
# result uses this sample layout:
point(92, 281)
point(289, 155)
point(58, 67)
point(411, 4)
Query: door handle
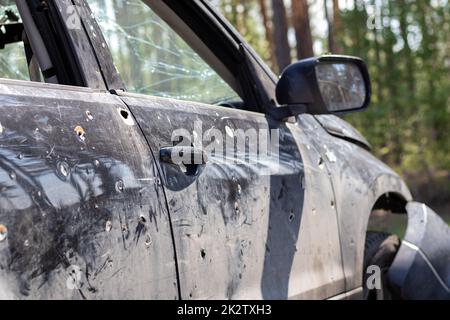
point(183, 155)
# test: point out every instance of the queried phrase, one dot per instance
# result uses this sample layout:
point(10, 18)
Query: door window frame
point(215, 33)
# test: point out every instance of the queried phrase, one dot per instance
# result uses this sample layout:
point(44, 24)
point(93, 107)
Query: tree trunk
point(282, 49)
point(300, 20)
point(337, 27)
point(330, 37)
point(268, 32)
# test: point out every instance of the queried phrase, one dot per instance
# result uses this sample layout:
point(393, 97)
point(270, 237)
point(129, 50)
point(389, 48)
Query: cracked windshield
point(152, 59)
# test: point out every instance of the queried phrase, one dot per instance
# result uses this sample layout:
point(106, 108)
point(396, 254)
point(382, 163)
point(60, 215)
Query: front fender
point(421, 269)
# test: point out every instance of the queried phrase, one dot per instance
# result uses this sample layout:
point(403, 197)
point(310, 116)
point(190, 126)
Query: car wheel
point(380, 250)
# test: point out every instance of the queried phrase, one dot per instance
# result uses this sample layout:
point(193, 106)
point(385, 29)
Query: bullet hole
point(3, 232)
point(89, 116)
point(20, 156)
point(320, 163)
point(26, 243)
point(126, 117)
point(124, 228)
point(142, 219)
point(314, 212)
point(12, 175)
point(148, 240)
point(63, 169)
point(124, 114)
point(203, 253)
point(108, 226)
point(332, 204)
point(81, 134)
point(236, 206)
point(119, 186)
point(291, 215)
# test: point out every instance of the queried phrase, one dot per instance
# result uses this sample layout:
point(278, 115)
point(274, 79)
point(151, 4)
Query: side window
point(14, 49)
point(153, 59)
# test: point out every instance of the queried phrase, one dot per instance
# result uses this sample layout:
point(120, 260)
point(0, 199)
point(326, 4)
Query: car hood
point(342, 129)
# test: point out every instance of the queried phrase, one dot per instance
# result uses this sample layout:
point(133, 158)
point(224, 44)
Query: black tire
point(380, 250)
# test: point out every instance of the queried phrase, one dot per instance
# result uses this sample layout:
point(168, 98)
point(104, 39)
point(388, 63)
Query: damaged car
point(147, 152)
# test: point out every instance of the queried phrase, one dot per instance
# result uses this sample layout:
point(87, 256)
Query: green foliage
point(408, 56)
point(407, 49)
point(246, 17)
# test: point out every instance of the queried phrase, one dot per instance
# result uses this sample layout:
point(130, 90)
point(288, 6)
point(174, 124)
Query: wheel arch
point(386, 191)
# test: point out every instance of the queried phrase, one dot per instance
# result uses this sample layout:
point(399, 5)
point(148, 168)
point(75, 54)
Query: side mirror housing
point(328, 84)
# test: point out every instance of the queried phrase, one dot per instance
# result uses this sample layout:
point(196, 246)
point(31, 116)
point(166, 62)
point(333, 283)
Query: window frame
point(51, 33)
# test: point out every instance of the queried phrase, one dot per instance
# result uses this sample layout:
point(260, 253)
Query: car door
point(82, 215)
point(255, 218)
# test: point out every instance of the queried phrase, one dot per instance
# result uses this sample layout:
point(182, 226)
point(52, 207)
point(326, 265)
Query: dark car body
point(84, 193)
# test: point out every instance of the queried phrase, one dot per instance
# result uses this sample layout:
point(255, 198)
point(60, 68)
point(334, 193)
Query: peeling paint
point(3, 232)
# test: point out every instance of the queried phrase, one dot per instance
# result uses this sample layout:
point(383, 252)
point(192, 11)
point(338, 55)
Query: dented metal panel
point(246, 227)
point(82, 214)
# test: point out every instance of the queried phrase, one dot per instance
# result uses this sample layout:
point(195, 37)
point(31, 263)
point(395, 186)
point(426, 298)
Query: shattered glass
point(13, 61)
point(152, 58)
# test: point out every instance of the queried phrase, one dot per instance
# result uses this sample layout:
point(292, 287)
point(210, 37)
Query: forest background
point(406, 45)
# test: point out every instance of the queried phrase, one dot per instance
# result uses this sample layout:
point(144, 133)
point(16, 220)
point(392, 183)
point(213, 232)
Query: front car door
point(256, 217)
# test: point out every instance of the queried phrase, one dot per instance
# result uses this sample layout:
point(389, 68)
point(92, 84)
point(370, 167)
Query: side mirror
point(324, 85)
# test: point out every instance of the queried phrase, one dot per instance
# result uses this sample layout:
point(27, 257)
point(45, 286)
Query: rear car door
point(247, 222)
point(82, 215)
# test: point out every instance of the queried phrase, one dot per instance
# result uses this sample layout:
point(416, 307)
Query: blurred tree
point(268, 31)
point(281, 43)
point(330, 38)
point(300, 21)
point(337, 26)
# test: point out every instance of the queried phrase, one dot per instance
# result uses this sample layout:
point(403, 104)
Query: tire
point(380, 250)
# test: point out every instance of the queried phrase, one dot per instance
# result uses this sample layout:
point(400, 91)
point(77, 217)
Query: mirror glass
point(341, 85)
